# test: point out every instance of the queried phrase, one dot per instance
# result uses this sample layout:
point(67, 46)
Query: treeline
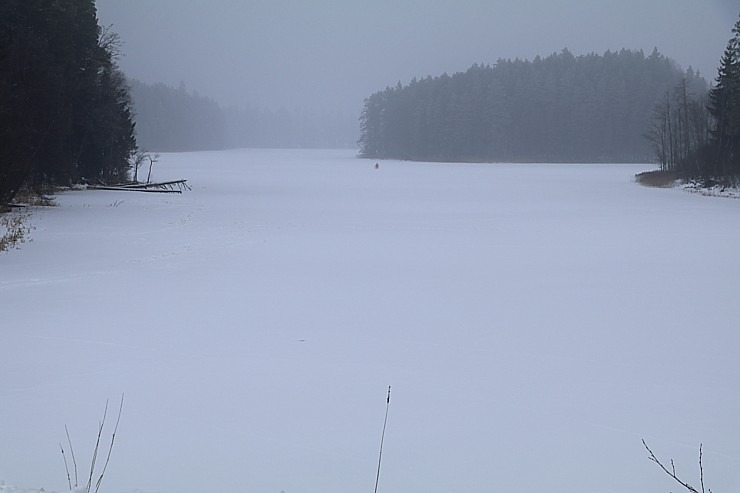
point(65, 112)
point(169, 119)
point(562, 108)
point(697, 135)
point(176, 119)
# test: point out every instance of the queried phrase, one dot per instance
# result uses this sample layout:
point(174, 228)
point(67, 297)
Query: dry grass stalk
point(88, 487)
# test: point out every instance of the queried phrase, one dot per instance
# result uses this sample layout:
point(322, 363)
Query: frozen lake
point(535, 322)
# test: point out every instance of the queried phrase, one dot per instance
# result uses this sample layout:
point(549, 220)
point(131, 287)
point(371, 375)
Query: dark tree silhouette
point(65, 112)
point(562, 108)
point(725, 107)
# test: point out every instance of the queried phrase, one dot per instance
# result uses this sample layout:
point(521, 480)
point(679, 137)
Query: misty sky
point(334, 53)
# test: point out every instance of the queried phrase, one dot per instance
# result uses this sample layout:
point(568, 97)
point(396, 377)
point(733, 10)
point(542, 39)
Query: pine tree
point(590, 108)
point(64, 104)
point(724, 105)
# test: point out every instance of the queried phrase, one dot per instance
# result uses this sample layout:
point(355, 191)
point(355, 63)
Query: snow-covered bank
point(712, 191)
point(5, 488)
point(535, 322)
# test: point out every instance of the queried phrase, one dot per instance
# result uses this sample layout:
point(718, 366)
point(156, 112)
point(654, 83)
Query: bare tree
point(152, 160)
point(137, 161)
point(680, 130)
point(672, 471)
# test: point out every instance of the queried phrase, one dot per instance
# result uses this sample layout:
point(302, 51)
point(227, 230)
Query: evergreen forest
point(65, 110)
point(177, 119)
point(562, 108)
point(698, 136)
point(169, 119)
point(721, 158)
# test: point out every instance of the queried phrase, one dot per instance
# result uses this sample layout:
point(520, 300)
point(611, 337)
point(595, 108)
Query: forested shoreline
point(178, 119)
point(69, 115)
point(617, 107)
point(175, 119)
point(697, 136)
point(562, 108)
point(65, 108)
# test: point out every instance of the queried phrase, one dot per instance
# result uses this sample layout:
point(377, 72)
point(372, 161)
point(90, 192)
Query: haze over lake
point(332, 54)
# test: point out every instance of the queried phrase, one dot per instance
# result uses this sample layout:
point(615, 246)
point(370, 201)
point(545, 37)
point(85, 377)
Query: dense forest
point(723, 157)
point(176, 119)
point(698, 136)
point(64, 104)
point(562, 108)
point(169, 119)
point(69, 111)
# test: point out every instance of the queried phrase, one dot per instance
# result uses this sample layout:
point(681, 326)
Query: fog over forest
point(331, 54)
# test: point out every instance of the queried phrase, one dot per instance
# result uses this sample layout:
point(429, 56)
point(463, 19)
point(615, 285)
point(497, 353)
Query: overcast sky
point(334, 53)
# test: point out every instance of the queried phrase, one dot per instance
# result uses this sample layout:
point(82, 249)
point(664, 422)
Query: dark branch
point(672, 472)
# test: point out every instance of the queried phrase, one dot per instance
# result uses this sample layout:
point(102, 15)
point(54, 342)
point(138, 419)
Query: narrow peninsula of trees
point(562, 108)
point(65, 112)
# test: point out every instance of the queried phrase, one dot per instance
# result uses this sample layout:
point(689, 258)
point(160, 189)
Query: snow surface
point(535, 322)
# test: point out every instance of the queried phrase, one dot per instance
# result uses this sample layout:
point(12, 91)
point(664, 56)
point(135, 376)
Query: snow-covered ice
point(535, 322)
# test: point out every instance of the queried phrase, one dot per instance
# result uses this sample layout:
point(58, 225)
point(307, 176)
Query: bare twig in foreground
point(672, 471)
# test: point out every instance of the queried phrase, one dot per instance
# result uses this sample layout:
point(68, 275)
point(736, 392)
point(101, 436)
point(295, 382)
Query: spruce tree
point(724, 105)
point(64, 104)
point(590, 108)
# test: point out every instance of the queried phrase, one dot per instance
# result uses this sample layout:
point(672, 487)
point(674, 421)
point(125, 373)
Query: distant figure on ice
point(377, 165)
